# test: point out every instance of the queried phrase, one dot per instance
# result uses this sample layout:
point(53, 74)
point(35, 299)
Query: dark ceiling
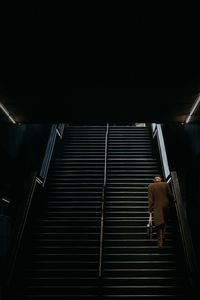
point(100, 64)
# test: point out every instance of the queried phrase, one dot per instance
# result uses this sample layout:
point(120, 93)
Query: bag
point(150, 228)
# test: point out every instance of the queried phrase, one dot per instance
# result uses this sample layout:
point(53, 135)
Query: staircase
point(134, 267)
point(62, 252)
point(64, 246)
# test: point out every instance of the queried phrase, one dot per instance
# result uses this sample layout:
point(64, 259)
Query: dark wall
point(22, 149)
point(183, 150)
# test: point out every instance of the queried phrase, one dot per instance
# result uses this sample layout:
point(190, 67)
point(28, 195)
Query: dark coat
point(159, 195)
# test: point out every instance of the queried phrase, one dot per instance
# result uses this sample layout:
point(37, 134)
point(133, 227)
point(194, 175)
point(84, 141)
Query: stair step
point(136, 242)
point(140, 281)
point(141, 272)
point(65, 249)
point(152, 248)
point(120, 289)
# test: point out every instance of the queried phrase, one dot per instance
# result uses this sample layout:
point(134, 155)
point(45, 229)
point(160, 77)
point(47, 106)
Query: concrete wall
point(183, 150)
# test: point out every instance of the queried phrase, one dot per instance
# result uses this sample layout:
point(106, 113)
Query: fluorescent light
point(7, 113)
point(194, 107)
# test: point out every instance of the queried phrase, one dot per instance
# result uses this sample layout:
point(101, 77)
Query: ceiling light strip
point(7, 113)
point(194, 107)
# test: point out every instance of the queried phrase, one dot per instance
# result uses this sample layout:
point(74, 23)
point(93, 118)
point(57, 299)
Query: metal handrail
point(20, 231)
point(36, 180)
point(55, 129)
point(102, 203)
point(171, 177)
point(189, 252)
point(157, 132)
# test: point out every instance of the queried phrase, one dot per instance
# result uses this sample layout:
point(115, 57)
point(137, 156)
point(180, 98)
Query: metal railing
point(157, 132)
point(102, 203)
point(36, 180)
point(172, 179)
point(56, 129)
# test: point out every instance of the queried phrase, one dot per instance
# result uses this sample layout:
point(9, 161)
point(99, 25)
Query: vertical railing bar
point(102, 203)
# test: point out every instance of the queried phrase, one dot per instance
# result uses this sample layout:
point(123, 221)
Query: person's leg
point(160, 236)
point(166, 213)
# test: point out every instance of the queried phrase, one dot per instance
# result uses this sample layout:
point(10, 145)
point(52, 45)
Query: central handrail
point(172, 178)
point(102, 203)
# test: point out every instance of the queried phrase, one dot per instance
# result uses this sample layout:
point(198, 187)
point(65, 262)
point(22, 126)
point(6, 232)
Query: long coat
point(159, 196)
